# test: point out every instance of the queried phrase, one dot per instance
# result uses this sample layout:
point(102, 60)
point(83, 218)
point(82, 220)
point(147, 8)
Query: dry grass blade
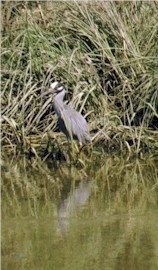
point(99, 50)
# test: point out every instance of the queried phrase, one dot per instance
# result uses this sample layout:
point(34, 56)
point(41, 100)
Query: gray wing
point(72, 123)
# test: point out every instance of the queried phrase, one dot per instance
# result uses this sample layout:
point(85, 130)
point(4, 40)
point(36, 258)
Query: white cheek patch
point(60, 88)
point(54, 85)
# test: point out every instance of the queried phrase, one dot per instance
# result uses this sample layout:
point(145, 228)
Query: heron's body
point(71, 122)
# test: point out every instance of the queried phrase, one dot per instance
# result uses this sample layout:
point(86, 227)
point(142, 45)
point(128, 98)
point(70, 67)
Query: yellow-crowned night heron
point(71, 122)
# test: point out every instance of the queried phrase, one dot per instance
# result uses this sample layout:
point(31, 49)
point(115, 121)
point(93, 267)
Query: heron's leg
point(81, 148)
point(73, 152)
point(69, 155)
point(83, 155)
point(47, 149)
point(78, 159)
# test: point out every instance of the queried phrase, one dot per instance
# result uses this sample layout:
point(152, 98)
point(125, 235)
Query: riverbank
point(105, 58)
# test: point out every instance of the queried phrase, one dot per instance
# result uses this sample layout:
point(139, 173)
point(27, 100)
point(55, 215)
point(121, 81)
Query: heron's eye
point(60, 88)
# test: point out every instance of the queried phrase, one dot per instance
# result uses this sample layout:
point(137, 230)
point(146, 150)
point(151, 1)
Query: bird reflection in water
point(75, 199)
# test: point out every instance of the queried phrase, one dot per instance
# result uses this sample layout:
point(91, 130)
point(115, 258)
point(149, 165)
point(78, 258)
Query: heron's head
point(55, 88)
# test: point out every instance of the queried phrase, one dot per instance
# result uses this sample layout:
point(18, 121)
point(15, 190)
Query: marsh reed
point(105, 52)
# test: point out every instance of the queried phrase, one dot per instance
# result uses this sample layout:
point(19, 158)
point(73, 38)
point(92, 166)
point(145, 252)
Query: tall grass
point(106, 55)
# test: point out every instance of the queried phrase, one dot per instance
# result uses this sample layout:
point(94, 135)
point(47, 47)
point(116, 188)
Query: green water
point(102, 217)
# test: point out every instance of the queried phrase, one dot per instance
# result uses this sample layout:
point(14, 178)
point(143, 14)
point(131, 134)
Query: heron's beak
point(48, 92)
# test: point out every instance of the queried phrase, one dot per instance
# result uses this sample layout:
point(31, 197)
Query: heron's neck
point(58, 102)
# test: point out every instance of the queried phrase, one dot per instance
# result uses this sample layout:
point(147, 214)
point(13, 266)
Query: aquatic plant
point(103, 55)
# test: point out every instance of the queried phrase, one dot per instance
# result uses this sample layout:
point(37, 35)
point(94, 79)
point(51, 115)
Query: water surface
point(71, 218)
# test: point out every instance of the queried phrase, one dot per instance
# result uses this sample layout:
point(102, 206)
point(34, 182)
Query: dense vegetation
point(105, 52)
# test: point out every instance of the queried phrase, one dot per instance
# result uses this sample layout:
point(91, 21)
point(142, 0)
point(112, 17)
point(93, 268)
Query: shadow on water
point(100, 217)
